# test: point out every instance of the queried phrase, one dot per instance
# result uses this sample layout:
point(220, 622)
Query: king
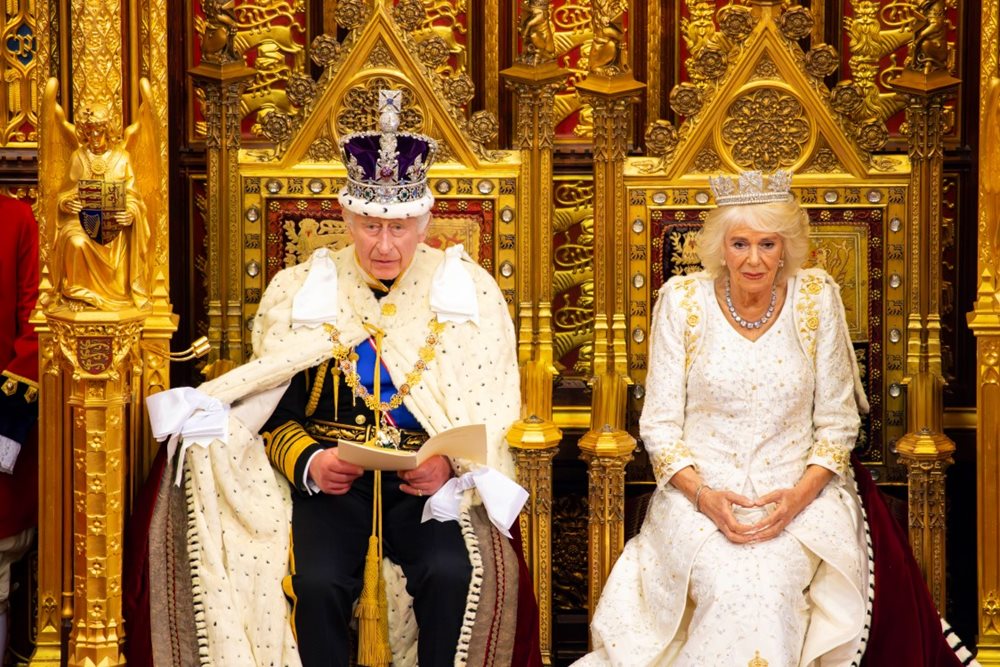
point(387, 340)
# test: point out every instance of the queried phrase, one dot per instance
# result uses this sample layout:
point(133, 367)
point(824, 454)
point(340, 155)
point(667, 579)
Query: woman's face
point(752, 257)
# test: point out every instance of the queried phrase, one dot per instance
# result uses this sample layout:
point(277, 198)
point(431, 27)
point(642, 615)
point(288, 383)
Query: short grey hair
point(423, 220)
point(786, 219)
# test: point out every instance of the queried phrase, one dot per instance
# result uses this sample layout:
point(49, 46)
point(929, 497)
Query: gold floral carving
point(765, 69)
point(822, 60)
point(824, 162)
point(19, 106)
point(991, 612)
point(707, 160)
point(352, 14)
point(409, 14)
point(686, 99)
point(324, 50)
point(796, 23)
point(440, 34)
point(661, 143)
point(736, 22)
point(380, 57)
point(96, 30)
point(358, 109)
point(766, 129)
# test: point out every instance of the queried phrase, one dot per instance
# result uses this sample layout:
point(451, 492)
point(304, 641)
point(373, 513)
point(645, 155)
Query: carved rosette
point(459, 90)
point(821, 61)
point(767, 129)
point(409, 14)
point(322, 150)
point(796, 23)
point(707, 160)
point(872, 135)
point(324, 50)
point(736, 22)
point(433, 52)
point(686, 99)
point(301, 89)
point(483, 128)
point(846, 98)
point(711, 62)
point(661, 142)
point(352, 14)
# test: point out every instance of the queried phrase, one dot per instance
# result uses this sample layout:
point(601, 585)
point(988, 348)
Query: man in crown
point(383, 343)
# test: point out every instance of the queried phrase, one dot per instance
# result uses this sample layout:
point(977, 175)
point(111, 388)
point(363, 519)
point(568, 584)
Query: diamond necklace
point(756, 324)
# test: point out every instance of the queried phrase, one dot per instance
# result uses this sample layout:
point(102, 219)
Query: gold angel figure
point(99, 200)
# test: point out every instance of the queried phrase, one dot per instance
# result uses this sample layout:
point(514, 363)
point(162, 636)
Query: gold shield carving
point(94, 353)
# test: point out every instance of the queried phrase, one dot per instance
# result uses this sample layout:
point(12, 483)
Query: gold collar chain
point(343, 355)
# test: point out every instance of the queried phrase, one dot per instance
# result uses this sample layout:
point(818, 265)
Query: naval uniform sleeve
point(289, 447)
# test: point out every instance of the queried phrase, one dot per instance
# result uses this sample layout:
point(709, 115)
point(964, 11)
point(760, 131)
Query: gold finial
point(757, 660)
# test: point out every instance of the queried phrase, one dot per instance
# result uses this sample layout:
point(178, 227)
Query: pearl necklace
point(756, 324)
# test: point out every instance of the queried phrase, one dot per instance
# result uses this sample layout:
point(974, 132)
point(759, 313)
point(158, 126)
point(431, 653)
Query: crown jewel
point(749, 188)
point(387, 169)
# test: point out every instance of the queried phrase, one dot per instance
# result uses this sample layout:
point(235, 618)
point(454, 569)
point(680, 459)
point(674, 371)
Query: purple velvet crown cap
point(366, 150)
point(387, 170)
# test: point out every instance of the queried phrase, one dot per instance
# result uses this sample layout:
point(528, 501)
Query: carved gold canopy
point(764, 106)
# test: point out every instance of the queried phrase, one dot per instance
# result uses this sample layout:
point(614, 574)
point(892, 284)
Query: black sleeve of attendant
point(17, 415)
point(289, 447)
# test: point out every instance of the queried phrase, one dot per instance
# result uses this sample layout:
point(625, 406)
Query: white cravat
point(316, 301)
point(453, 293)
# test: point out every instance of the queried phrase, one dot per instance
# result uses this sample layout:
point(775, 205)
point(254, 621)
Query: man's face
point(384, 247)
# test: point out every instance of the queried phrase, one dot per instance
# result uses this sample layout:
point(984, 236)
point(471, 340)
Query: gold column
point(535, 79)
point(984, 321)
point(534, 442)
point(54, 521)
point(610, 89)
point(222, 75)
point(926, 85)
point(160, 326)
point(96, 348)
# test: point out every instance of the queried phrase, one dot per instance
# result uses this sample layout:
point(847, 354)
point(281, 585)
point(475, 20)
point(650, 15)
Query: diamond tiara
point(749, 188)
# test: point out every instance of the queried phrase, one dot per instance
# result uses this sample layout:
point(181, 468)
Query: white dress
point(750, 415)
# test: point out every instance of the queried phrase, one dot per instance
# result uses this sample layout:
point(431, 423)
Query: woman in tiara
point(754, 547)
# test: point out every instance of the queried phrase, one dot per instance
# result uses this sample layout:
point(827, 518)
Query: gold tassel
point(372, 610)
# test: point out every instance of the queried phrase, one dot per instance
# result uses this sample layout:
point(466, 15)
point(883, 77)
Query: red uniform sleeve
point(23, 367)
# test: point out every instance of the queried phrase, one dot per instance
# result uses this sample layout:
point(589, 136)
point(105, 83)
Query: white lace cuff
point(9, 449)
point(833, 457)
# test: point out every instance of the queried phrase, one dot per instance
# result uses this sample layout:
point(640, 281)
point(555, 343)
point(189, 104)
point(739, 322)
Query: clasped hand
point(718, 505)
point(335, 477)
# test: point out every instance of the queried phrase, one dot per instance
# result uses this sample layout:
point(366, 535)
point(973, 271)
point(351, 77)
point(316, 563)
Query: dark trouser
point(329, 541)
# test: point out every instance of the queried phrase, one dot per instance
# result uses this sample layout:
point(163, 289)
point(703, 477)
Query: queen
point(754, 550)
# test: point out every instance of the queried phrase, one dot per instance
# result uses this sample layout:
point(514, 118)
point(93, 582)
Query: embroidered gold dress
point(750, 415)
